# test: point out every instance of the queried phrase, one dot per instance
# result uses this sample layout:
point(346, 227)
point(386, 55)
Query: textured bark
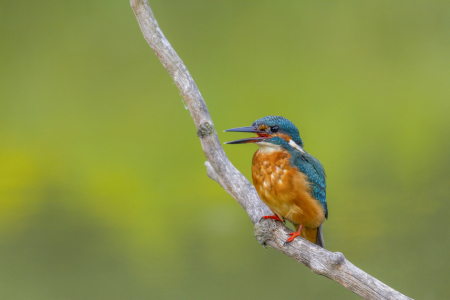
point(220, 169)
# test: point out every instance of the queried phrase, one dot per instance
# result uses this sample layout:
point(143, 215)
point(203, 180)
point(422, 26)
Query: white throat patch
point(267, 148)
point(295, 146)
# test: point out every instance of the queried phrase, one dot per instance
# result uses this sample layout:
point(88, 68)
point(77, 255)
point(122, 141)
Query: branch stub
point(205, 129)
point(263, 231)
point(336, 259)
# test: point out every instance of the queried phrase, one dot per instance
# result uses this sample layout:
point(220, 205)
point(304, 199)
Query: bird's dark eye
point(274, 128)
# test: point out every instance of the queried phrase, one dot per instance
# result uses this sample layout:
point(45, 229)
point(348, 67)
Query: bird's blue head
point(269, 130)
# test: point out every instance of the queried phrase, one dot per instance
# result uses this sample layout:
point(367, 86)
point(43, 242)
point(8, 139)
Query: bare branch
point(220, 169)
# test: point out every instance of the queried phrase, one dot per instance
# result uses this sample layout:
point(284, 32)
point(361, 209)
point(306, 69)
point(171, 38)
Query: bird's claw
point(293, 235)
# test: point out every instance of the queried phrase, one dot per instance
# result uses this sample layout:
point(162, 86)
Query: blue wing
point(313, 169)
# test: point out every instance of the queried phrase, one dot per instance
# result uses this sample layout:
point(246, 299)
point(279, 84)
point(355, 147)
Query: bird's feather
point(319, 238)
point(315, 173)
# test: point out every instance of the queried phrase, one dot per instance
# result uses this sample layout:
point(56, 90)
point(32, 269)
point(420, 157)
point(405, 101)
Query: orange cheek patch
point(263, 127)
point(283, 136)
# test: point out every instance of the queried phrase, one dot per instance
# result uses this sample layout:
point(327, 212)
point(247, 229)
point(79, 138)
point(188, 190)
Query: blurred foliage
point(103, 192)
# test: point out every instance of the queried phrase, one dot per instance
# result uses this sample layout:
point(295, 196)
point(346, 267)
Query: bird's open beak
point(262, 135)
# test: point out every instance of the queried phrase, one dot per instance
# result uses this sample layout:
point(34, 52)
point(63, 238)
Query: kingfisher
point(289, 180)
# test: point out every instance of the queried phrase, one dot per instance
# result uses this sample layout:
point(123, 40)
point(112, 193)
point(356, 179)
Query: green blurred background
point(103, 191)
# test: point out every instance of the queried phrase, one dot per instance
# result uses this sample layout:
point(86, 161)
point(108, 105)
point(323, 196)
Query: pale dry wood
point(220, 169)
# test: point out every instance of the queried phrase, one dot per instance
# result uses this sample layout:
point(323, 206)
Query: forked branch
point(220, 169)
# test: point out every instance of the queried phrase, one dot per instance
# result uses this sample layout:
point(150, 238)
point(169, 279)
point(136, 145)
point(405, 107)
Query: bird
point(289, 180)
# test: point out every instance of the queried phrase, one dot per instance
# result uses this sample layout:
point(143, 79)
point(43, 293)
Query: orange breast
point(285, 190)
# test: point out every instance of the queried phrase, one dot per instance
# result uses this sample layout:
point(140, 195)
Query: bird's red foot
point(274, 217)
point(293, 235)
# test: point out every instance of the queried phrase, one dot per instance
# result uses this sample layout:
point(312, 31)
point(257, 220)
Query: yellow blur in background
point(103, 191)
